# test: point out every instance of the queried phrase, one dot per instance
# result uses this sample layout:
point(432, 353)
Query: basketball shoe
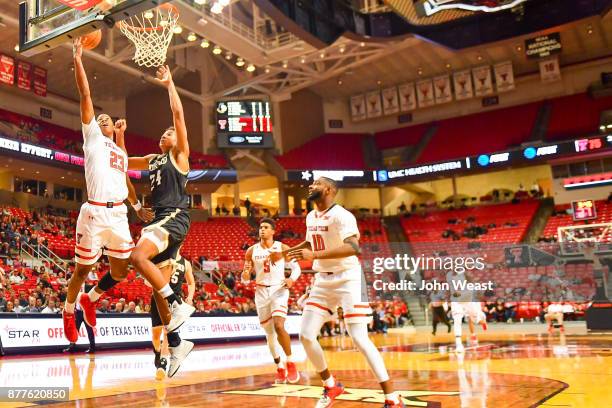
point(293, 375)
point(89, 309)
point(391, 404)
point(281, 376)
point(177, 355)
point(180, 313)
point(329, 395)
point(70, 329)
point(160, 366)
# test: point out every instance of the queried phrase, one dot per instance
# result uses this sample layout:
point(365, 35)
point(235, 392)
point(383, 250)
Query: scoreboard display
point(584, 210)
point(244, 124)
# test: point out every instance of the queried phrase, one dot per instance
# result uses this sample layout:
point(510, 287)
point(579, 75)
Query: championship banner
point(442, 89)
point(463, 85)
point(407, 97)
point(358, 109)
point(550, 70)
point(24, 75)
point(425, 93)
point(374, 105)
point(7, 69)
point(504, 76)
point(40, 81)
point(390, 101)
point(483, 83)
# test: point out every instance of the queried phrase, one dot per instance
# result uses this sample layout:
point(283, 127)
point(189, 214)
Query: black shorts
point(167, 231)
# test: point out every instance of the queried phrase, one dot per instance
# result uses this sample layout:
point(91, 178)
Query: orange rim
point(167, 6)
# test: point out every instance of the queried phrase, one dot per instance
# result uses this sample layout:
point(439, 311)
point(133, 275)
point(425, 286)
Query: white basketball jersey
point(328, 230)
point(464, 295)
point(105, 166)
point(267, 273)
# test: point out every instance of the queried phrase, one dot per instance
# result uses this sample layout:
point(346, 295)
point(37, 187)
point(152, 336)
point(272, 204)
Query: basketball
point(91, 40)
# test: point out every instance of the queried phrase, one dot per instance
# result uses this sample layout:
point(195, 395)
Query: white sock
point(330, 382)
point(310, 328)
point(458, 340)
point(281, 363)
point(166, 291)
point(290, 358)
point(69, 307)
point(392, 397)
point(93, 295)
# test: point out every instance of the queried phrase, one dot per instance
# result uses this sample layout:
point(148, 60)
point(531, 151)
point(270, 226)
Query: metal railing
point(44, 254)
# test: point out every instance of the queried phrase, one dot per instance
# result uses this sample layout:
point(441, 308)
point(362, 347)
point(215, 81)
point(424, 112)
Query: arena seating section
point(486, 132)
point(330, 151)
point(30, 130)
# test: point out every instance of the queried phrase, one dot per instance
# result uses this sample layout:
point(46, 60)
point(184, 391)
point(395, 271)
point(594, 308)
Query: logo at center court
point(410, 398)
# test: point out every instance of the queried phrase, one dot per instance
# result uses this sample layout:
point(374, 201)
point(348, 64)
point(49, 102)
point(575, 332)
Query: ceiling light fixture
point(217, 50)
point(250, 68)
point(205, 44)
point(192, 37)
point(240, 62)
point(177, 29)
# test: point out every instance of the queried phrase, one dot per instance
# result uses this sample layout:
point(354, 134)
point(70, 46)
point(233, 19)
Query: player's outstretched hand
point(145, 215)
point(77, 48)
point(120, 125)
point(163, 75)
point(301, 255)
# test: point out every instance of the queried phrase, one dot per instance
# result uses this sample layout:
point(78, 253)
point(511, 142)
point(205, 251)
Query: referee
point(438, 298)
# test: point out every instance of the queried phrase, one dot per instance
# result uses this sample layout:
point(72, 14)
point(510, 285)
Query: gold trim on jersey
point(184, 173)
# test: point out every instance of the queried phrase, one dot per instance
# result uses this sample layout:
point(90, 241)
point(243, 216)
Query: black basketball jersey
point(178, 275)
point(168, 183)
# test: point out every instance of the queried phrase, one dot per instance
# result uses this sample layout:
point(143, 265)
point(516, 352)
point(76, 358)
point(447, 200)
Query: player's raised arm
point(190, 282)
point(87, 110)
point(164, 76)
point(120, 127)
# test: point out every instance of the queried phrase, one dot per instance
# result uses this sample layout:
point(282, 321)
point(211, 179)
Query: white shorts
point(473, 310)
point(102, 230)
point(271, 301)
point(339, 289)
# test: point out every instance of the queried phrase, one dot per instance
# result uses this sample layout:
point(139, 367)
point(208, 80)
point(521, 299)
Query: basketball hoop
point(151, 32)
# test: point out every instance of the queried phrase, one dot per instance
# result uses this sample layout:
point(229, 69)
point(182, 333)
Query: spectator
point(31, 308)
point(16, 278)
point(61, 279)
point(247, 204)
point(218, 210)
point(402, 207)
point(147, 308)
point(104, 306)
point(236, 211)
point(140, 306)
point(499, 314)
point(118, 308)
point(131, 308)
point(51, 308)
point(230, 281)
point(3, 301)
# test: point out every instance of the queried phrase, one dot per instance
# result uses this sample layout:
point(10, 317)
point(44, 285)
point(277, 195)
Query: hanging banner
point(425, 93)
point(390, 101)
point(504, 76)
point(7, 70)
point(358, 109)
point(543, 46)
point(442, 89)
point(40, 81)
point(483, 83)
point(374, 105)
point(24, 75)
point(550, 70)
point(407, 97)
point(463, 85)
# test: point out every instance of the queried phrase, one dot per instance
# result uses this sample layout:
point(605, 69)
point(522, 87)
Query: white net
point(151, 33)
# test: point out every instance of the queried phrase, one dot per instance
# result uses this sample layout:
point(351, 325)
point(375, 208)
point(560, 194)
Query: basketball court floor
point(512, 366)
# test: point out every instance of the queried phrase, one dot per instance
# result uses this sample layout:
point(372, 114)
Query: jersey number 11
point(317, 242)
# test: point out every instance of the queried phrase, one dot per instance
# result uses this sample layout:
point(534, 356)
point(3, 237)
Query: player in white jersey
point(463, 305)
point(332, 242)
point(272, 296)
point(102, 226)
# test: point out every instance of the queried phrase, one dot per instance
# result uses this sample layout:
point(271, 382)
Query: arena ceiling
point(285, 63)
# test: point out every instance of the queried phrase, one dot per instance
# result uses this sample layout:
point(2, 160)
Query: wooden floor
point(512, 367)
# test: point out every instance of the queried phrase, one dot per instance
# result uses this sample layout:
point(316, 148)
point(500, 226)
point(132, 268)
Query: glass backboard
point(45, 24)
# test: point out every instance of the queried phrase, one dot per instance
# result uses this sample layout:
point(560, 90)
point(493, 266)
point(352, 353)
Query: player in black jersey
point(181, 272)
point(162, 238)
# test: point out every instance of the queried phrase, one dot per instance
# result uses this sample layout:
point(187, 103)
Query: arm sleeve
point(347, 225)
point(91, 132)
point(296, 271)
